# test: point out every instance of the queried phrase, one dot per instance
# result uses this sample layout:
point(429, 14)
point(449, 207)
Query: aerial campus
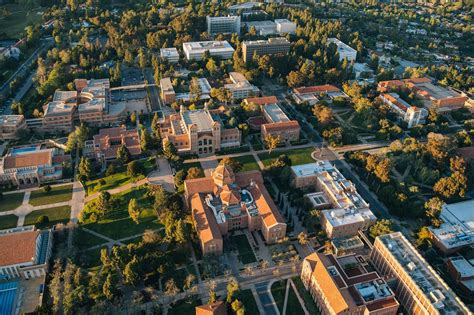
point(227, 157)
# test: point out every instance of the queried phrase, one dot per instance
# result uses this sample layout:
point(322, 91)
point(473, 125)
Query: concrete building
point(240, 87)
point(199, 131)
point(226, 202)
point(25, 252)
point(32, 165)
point(345, 285)
point(443, 99)
point(170, 54)
point(262, 28)
point(91, 103)
point(10, 52)
point(412, 115)
point(285, 26)
point(276, 121)
point(418, 288)
point(272, 46)
point(344, 50)
point(244, 7)
point(10, 125)
point(223, 24)
point(168, 94)
point(462, 272)
point(220, 49)
point(344, 211)
point(457, 229)
point(312, 94)
point(104, 145)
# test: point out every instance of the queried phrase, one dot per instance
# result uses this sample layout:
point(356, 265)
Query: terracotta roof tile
point(17, 248)
point(206, 224)
point(316, 89)
point(264, 100)
point(280, 126)
point(217, 308)
point(29, 159)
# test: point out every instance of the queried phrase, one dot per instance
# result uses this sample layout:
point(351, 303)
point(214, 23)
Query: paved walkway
point(118, 190)
point(208, 164)
point(163, 175)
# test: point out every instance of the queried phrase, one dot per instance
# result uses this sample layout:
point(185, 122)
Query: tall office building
point(272, 46)
point(418, 288)
point(223, 24)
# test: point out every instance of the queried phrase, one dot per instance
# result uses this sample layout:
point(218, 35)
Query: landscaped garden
point(117, 223)
point(8, 221)
point(11, 201)
point(54, 216)
point(120, 177)
point(246, 255)
point(297, 156)
point(57, 194)
point(248, 163)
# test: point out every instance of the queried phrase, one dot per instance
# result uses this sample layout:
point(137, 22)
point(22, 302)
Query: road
point(45, 43)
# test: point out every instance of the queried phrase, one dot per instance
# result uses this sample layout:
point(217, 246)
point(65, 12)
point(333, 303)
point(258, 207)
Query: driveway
point(163, 175)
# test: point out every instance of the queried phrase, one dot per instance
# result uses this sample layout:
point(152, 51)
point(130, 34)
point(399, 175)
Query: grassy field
point(56, 194)
point(297, 156)
point(8, 221)
point(306, 296)
point(246, 255)
point(11, 201)
point(21, 16)
point(83, 239)
point(117, 223)
point(187, 166)
point(185, 306)
point(119, 179)
point(248, 163)
point(293, 306)
point(55, 216)
point(278, 292)
point(246, 297)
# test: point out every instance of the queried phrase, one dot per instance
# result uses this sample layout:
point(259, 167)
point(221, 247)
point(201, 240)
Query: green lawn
point(120, 178)
point(56, 194)
point(117, 223)
point(89, 259)
point(20, 17)
point(187, 166)
point(84, 240)
point(297, 156)
point(8, 221)
point(185, 307)
point(248, 163)
point(306, 296)
point(293, 306)
point(55, 215)
point(246, 297)
point(278, 292)
point(246, 255)
point(11, 201)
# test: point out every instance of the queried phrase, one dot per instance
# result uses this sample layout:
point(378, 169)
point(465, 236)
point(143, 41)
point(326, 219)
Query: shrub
point(42, 220)
point(47, 188)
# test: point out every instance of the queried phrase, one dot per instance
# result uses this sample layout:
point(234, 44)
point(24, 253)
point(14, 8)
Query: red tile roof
point(27, 160)
point(264, 100)
point(217, 308)
point(17, 248)
point(316, 89)
point(279, 126)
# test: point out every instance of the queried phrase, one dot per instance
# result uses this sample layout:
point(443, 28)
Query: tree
point(155, 125)
point(85, 168)
point(303, 238)
point(235, 165)
point(294, 79)
point(232, 289)
point(71, 142)
point(189, 281)
point(433, 210)
point(47, 188)
point(180, 235)
point(271, 142)
point(110, 287)
point(195, 172)
point(238, 307)
point(323, 114)
point(194, 90)
point(381, 227)
point(424, 237)
point(103, 202)
point(382, 170)
point(123, 154)
point(134, 168)
point(131, 271)
point(145, 140)
point(169, 150)
point(439, 146)
point(171, 289)
point(211, 66)
point(82, 134)
point(212, 297)
point(222, 94)
point(134, 210)
point(43, 219)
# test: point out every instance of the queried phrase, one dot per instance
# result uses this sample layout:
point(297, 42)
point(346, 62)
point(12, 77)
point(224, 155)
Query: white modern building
point(344, 211)
point(240, 87)
point(285, 26)
point(25, 252)
point(344, 50)
point(412, 115)
point(418, 288)
point(457, 229)
point(170, 54)
point(223, 24)
point(10, 125)
point(220, 49)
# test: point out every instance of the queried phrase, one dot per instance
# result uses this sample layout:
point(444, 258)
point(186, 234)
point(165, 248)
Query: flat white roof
point(462, 266)
point(311, 169)
point(276, 113)
point(338, 217)
point(169, 52)
point(341, 46)
point(211, 46)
